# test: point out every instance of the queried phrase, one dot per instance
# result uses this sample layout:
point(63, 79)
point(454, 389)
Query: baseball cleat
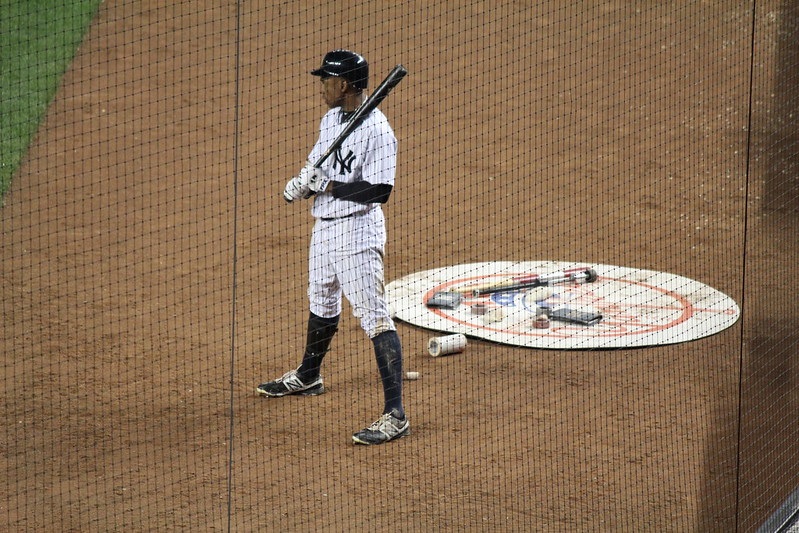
point(290, 383)
point(386, 428)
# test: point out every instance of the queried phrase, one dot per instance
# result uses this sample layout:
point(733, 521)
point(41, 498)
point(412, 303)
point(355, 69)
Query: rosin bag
point(575, 316)
point(445, 300)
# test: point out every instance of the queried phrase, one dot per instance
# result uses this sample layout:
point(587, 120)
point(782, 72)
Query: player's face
point(333, 89)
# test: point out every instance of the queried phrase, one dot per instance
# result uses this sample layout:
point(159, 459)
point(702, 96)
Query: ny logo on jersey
point(344, 164)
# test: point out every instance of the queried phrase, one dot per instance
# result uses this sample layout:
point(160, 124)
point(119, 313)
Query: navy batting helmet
point(345, 64)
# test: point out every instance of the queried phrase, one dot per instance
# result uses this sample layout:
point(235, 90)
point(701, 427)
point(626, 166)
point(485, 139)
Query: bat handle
point(322, 158)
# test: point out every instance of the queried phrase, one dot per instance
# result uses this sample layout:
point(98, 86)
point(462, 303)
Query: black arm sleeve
point(362, 192)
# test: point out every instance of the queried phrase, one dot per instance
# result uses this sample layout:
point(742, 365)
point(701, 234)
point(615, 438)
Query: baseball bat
point(504, 282)
point(498, 284)
point(572, 275)
point(374, 99)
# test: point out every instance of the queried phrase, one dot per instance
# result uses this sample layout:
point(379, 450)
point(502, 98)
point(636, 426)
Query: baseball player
point(347, 242)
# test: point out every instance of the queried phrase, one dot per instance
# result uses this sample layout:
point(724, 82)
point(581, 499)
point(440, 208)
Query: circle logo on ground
point(561, 305)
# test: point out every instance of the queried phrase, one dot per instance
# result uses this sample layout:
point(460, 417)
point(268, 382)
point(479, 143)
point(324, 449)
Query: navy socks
point(320, 334)
point(388, 353)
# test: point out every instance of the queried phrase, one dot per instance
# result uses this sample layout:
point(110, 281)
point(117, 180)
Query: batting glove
point(295, 189)
point(316, 178)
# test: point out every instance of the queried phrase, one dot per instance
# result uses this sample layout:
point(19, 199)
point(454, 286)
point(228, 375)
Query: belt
point(342, 218)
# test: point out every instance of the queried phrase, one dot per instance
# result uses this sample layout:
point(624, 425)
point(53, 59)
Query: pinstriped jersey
point(368, 154)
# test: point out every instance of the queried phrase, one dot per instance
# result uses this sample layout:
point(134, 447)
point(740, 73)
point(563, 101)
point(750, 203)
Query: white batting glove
point(296, 188)
point(317, 180)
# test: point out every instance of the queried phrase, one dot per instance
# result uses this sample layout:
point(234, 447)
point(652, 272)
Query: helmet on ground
point(345, 64)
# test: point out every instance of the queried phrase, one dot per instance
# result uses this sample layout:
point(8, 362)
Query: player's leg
point(361, 276)
point(320, 334)
point(388, 354)
point(306, 380)
point(393, 423)
point(324, 293)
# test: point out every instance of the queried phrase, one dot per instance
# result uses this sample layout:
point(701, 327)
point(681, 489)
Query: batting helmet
point(345, 64)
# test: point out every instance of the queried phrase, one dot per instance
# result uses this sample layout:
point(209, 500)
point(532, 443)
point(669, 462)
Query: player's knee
point(378, 327)
point(325, 310)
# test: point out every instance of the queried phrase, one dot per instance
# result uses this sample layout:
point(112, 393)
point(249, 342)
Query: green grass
point(38, 39)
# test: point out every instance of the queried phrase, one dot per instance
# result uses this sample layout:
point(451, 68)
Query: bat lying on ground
point(572, 275)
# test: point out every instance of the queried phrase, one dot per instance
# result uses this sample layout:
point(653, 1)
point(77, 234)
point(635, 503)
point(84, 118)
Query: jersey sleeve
point(380, 162)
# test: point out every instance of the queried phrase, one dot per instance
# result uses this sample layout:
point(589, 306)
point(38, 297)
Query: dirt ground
point(152, 275)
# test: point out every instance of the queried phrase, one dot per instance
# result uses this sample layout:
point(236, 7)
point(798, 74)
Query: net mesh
point(153, 275)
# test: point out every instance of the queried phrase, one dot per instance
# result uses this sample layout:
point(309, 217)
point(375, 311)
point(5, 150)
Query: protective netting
point(153, 275)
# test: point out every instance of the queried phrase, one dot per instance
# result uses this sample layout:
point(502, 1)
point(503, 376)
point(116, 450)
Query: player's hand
point(296, 188)
point(316, 178)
